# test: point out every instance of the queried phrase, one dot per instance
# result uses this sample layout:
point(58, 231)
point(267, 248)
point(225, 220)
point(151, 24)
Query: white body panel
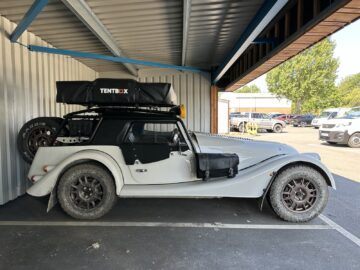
point(333, 112)
point(258, 161)
point(179, 167)
point(248, 183)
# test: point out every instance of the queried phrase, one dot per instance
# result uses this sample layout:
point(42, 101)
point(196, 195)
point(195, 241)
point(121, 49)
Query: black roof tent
point(115, 92)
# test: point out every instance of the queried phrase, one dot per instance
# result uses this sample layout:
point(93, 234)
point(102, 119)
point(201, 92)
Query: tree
point(248, 89)
point(349, 91)
point(307, 79)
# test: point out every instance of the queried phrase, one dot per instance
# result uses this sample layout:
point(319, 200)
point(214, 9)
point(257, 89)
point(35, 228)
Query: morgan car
point(131, 142)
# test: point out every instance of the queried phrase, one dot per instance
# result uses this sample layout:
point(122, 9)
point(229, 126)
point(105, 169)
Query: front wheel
point(299, 194)
point(86, 191)
point(278, 128)
point(354, 140)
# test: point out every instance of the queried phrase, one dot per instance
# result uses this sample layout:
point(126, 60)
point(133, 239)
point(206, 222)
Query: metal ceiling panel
point(150, 30)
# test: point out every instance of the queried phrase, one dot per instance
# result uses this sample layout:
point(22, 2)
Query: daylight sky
point(347, 51)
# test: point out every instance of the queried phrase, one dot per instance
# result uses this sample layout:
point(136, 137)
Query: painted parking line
point(340, 229)
point(329, 147)
point(165, 224)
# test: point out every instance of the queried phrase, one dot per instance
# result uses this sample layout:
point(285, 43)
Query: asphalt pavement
point(192, 233)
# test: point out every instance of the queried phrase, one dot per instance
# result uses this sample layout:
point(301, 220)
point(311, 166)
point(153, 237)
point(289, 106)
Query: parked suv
point(328, 114)
point(262, 120)
point(303, 120)
point(287, 118)
point(343, 130)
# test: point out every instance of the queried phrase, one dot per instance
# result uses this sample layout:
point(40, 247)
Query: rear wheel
point(354, 140)
point(36, 133)
point(86, 191)
point(242, 127)
point(299, 194)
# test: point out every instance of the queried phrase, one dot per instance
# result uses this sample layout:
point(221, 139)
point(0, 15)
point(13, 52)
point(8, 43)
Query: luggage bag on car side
point(115, 92)
point(211, 165)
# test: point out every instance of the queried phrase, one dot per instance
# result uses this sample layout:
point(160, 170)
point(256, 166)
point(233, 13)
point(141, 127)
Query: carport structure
point(201, 47)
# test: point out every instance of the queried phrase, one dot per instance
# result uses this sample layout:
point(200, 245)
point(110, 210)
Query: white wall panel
point(27, 90)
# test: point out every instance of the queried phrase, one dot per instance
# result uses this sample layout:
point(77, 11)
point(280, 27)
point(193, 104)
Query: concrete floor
point(182, 234)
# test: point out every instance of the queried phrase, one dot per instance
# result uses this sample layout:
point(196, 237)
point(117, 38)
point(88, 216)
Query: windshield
point(352, 114)
point(324, 114)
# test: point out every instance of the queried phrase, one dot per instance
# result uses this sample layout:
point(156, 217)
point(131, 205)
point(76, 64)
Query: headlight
point(343, 124)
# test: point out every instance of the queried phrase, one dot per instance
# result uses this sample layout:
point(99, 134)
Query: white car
point(328, 114)
point(85, 160)
point(343, 130)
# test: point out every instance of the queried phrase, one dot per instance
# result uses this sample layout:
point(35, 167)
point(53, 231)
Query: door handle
point(141, 170)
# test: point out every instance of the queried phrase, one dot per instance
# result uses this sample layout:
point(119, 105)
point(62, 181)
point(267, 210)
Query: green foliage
point(349, 91)
point(248, 89)
point(307, 79)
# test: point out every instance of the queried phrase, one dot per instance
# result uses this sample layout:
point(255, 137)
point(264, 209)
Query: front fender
point(46, 184)
point(311, 159)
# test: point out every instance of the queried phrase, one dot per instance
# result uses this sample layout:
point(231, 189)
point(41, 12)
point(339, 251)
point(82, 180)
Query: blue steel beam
point(263, 17)
point(117, 59)
point(29, 17)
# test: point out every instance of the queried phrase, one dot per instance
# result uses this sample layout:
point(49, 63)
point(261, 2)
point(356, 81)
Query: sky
point(347, 50)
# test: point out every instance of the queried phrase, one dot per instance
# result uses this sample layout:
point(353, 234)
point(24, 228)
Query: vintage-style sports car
point(117, 147)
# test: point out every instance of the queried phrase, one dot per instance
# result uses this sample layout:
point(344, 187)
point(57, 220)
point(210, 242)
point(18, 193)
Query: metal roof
point(150, 30)
point(235, 40)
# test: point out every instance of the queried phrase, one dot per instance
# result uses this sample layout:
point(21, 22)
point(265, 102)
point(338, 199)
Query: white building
point(256, 102)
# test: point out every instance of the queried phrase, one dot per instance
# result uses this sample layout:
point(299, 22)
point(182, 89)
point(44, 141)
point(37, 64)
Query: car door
point(262, 121)
point(255, 117)
point(154, 156)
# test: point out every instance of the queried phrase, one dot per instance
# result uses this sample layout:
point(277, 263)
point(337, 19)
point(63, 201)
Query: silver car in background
point(262, 120)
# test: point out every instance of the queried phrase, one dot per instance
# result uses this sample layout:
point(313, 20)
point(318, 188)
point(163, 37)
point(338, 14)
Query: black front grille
point(328, 125)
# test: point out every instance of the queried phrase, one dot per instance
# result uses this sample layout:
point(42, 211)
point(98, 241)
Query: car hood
point(341, 120)
point(250, 152)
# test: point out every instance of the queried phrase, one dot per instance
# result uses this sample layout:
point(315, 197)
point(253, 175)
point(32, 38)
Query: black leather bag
point(210, 165)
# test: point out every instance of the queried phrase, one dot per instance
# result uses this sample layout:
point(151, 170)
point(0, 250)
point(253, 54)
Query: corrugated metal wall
point(192, 90)
point(27, 90)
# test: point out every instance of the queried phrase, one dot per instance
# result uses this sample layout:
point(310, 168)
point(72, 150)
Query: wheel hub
point(356, 140)
point(40, 136)
point(299, 195)
point(86, 192)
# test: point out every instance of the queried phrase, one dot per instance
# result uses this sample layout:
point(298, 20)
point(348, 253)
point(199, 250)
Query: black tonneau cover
point(115, 92)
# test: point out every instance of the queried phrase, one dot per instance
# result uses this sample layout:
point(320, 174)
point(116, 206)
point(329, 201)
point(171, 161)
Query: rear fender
point(46, 184)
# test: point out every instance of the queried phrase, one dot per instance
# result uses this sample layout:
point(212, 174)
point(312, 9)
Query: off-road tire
point(354, 140)
point(30, 132)
point(66, 189)
point(281, 182)
point(278, 128)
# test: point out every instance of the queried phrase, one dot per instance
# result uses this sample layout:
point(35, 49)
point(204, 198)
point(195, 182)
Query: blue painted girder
point(28, 18)
point(264, 9)
point(117, 59)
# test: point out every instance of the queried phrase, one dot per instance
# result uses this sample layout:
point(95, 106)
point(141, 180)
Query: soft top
point(115, 92)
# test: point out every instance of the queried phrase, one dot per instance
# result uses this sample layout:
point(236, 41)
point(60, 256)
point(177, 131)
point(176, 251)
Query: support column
point(214, 109)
